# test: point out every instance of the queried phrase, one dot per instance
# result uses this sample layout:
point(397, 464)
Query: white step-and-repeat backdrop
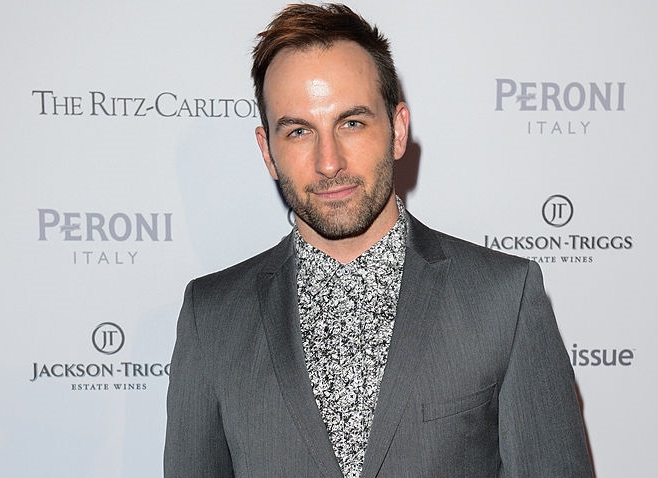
point(129, 166)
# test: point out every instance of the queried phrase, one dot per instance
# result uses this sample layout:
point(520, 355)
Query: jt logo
point(108, 338)
point(557, 210)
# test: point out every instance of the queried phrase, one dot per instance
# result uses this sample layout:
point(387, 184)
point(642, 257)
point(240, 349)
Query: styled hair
point(301, 26)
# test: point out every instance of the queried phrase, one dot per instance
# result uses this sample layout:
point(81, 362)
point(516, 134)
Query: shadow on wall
point(406, 169)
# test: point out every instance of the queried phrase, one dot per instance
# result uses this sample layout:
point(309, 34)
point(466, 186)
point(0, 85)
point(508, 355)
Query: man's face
point(331, 144)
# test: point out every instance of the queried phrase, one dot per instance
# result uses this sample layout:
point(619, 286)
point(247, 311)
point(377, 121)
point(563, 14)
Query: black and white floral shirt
point(347, 312)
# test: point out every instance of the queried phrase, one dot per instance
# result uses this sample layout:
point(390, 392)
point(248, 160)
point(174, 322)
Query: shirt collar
point(314, 267)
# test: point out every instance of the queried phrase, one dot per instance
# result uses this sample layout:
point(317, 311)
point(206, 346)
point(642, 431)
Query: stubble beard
point(344, 218)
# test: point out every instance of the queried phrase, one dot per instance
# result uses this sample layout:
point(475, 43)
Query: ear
point(400, 130)
point(261, 138)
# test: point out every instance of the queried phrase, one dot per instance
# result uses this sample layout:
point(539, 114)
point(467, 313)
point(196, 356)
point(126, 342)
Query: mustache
point(326, 184)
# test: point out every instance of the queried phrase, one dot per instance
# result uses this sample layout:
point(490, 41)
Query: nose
point(329, 159)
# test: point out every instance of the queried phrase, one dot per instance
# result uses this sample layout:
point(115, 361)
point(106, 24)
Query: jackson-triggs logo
point(543, 100)
point(91, 229)
point(165, 104)
point(557, 211)
point(107, 338)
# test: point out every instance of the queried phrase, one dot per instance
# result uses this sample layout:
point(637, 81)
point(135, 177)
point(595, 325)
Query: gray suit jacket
point(477, 383)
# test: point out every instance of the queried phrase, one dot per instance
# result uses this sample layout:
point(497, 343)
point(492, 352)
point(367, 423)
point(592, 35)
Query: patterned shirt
point(347, 312)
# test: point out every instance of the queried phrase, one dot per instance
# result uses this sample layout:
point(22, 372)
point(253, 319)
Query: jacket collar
point(424, 277)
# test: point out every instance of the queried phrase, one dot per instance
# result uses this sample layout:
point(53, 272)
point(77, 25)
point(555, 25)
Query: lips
point(336, 193)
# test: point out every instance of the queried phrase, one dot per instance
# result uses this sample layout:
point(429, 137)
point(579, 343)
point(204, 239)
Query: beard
point(343, 218)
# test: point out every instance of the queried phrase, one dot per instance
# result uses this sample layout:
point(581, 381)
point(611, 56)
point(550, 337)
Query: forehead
point(304, 53)
point(345, 65)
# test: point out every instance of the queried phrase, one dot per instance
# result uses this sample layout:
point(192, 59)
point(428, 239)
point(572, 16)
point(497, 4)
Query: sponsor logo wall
point(129, 166)
point(117, 375)
point(567, 246)
point(165, 104)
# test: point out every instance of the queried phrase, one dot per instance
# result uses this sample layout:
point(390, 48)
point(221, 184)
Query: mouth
point(337, 193)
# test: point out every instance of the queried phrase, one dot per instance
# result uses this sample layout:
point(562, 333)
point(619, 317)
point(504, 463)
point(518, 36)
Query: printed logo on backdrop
point(108, 338)
point(165, 104)
point(118, 374)
point(559, 241)
point(601, 357)
point(104, 239)
point(559, 109)
point(557, 210)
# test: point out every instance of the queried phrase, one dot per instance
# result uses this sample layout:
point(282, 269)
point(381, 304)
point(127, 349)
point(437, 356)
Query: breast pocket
point(435, 411)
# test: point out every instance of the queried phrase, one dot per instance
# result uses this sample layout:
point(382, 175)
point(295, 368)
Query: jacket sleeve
point(195, 445)
point(540, 423)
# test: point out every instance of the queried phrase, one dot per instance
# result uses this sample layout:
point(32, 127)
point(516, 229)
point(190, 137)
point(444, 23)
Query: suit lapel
point(424, 277)
point(278, 301)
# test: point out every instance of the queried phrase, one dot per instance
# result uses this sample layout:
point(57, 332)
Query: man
point(364, 344)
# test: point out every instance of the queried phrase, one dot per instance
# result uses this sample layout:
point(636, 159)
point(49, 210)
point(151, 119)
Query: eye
point(297, 132)
point(352, 124)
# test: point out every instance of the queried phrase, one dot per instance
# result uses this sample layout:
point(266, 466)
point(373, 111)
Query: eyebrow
point(285, 121)
point(290, 121)
point(356, 111)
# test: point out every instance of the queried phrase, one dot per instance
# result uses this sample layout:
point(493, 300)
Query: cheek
point(291, 155)
point(367, 157)
point(294, 162)
point(376, 143)
point(293, 174)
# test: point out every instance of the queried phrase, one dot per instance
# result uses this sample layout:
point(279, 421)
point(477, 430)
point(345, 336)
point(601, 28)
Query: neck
point(347, 249)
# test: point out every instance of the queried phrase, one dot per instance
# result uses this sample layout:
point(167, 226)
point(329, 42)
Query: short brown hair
point(300, 26)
